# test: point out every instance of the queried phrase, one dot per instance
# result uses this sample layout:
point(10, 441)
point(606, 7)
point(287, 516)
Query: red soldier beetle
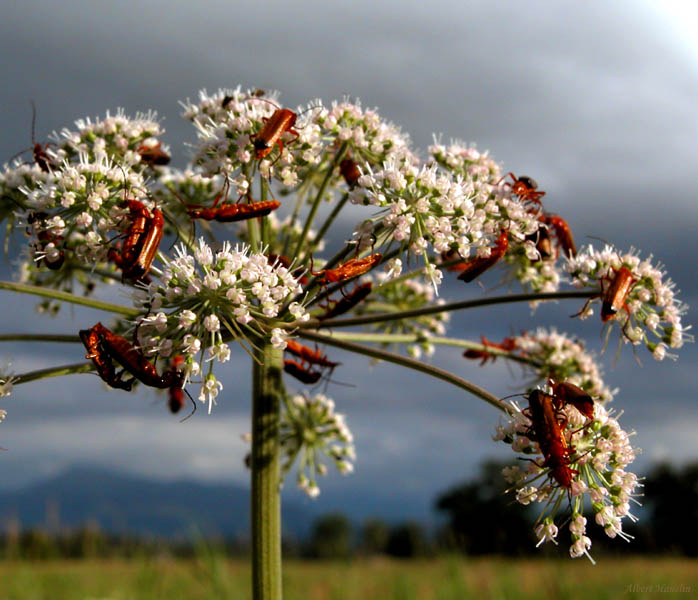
point(134, 361)
point(346, 303)
point(567, 393)
point(175, 400)
point(508, 344)
point(281, 121)
point(449, 256)
point(151, 239)
point(350, 171)
point(549, 433)
point(105, 368)
point(297, 370)
point(615, 297)
point(229, 213)
point(138, 223)
point(310, 356)
point(525, 188)
point(350, 269)
point(563, 234)
point(153, 156)
point(41, 157)
point(142, 239)
point(476, 266)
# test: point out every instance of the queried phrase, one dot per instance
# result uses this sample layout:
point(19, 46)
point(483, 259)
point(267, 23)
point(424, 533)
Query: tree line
point(478, 517)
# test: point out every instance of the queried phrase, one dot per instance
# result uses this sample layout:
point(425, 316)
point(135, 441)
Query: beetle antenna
point(192, 403)
point(33, 119)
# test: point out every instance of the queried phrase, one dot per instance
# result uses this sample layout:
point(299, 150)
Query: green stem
point(333, 215)
point(410, 364)
point(412, 338)
point(93, 271)
point(267, 389)
point(318, 198)
point(440, 308)
point(263, 225)
point(84, 367)
point(40, 337)
point(35, 290)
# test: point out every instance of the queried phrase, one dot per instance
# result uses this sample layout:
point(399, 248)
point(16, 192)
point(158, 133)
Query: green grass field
point(439, 579)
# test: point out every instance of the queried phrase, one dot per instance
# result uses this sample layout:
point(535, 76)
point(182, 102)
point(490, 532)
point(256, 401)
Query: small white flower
point(220, 352)
point(546, 532)
point(186, 319)
point(278, 338)
point(212, 323)
point(209, 390)
point(393, 268)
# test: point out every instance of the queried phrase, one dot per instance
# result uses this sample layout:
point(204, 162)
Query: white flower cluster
point(200, 296)
point(191, 184)
point(600, 451)
point(563, 359)
point(78, 204)
point(119, 138)
point(370, 139)
point(470, 164)
point(646, 308)
point(422, 210)
point(19, 175)
point(430, 207)
point(311, 428)
point(531, 268)
point(227, 124)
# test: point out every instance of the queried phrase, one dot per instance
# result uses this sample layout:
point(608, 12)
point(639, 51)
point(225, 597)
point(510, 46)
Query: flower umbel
point(211, 294)
point(589, 460)
point(311, 428)
point(634, 293)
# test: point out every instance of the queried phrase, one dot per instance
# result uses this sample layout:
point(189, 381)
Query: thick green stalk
point(267, 389)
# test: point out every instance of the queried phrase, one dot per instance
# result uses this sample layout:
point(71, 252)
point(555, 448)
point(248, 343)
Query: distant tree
point(407, 541)
point(331, 537)
point(374, 536)
point(483, 519)
point(671, 494)
point(35, 544)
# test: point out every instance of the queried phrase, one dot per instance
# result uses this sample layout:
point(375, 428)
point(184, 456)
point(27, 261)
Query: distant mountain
point(123, 503)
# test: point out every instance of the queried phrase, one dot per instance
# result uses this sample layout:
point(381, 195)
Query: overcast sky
point(597, 101)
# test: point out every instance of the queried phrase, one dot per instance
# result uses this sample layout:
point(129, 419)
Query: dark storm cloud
point(596, 101)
